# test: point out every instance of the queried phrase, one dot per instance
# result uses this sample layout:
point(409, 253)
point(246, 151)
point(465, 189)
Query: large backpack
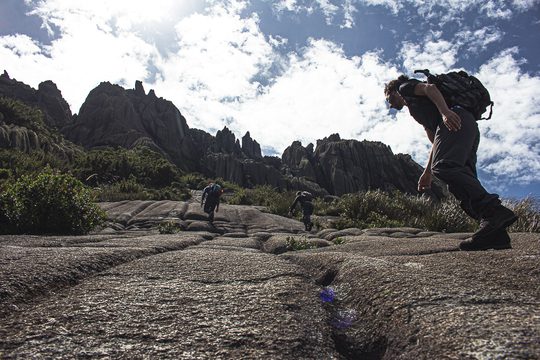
point(307, 195)
point(460, 88)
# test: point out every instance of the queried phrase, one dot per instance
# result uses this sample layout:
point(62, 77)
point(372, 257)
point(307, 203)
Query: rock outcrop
point(346, 166)
point(47, 98)
point(240, 289)
point(250, 147)
point(33, 126)
point(114, 116)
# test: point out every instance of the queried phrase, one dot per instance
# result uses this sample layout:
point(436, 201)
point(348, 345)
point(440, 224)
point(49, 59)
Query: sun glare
point(147, 11)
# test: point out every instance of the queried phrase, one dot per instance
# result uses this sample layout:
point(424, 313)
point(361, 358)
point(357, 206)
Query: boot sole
point(504, 225)
point(499, 240)
point(490, 247)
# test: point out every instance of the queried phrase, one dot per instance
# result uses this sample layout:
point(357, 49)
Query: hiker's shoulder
point(407, 88)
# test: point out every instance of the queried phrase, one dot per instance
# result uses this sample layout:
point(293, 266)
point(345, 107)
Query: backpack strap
point(431, 78)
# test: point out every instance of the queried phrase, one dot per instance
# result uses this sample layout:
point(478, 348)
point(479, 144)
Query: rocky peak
point(250, 147)
point(299, 160)
point(114, 116)
point(226, 142)
point(139, 89)
point(47, 98)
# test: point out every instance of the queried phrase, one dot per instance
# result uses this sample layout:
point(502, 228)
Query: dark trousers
point(454, 162)
point(209, 207)
point(307, 211)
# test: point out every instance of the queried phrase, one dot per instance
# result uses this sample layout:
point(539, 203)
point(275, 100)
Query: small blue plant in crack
point(327, 295)
point(343, 318)
point(340, 318)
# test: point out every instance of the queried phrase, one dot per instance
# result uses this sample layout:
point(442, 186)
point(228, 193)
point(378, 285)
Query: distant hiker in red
point(304, 198)
point(210, 199)
point(454, 135)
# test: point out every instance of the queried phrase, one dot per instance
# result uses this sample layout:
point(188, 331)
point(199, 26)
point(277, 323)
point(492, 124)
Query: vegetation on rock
point(115, 174)
point(48, 203)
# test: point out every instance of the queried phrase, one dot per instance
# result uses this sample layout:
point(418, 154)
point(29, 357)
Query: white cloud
point(322, 92)
point(19, 45)
point(510, 140)
point(437, 55)
point(86, 50)
point(223, 71)
point(446, 10)
point(349, 11)
point(219, 56)
point(474, 41)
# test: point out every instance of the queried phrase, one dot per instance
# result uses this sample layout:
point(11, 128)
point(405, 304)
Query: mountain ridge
point(114, 116)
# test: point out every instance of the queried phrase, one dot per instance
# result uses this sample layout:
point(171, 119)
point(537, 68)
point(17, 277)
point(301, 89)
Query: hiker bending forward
point(210, 199)
point(454, 136)
point(304, 198)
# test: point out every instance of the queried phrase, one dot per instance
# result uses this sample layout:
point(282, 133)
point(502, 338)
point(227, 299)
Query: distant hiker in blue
point(210, 199)
point(304, 198)
point(454, 135)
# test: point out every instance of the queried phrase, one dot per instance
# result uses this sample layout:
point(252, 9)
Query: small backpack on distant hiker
point(215, 189)
point(307, 195)
point(460, 88)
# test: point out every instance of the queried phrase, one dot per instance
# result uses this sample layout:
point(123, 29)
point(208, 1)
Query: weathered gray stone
point(448, 304)
point(250, 147)
point(47, 98)
point(207, 294)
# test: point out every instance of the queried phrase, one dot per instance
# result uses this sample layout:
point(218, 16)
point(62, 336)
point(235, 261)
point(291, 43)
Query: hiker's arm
point(294, 204)
point(424, 182)
point(203, 196)
point(451, 120)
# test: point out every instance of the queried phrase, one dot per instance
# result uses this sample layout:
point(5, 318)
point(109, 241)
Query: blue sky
point(295, 70)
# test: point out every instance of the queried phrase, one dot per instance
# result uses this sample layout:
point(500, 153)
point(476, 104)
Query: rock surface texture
point(236, 289)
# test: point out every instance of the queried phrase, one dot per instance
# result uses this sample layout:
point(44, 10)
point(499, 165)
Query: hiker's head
point(393, 98)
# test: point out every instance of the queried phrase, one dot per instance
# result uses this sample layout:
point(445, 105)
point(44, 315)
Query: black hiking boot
point(497, 240)
point(497, 218)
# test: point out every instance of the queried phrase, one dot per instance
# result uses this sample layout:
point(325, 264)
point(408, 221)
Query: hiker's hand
point(451, 120)
point(424, 183)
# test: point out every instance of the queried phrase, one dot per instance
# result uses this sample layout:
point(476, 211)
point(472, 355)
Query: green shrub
point(240, 197)
point(339, 241)
point(263, 195)
point(295, 244)
point(169, 227)
point(18, 113)
point(528, 212)
point(447, 216)
point(48, 203)
point(20, 163)
point(108, 166)
point(327, 208)
point(193, 180)
point(379, 209)
point(276, 202)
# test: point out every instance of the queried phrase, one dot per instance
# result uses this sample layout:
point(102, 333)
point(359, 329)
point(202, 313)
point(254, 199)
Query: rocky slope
point(114, 116)
point(236, 290)
point(44, 110)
